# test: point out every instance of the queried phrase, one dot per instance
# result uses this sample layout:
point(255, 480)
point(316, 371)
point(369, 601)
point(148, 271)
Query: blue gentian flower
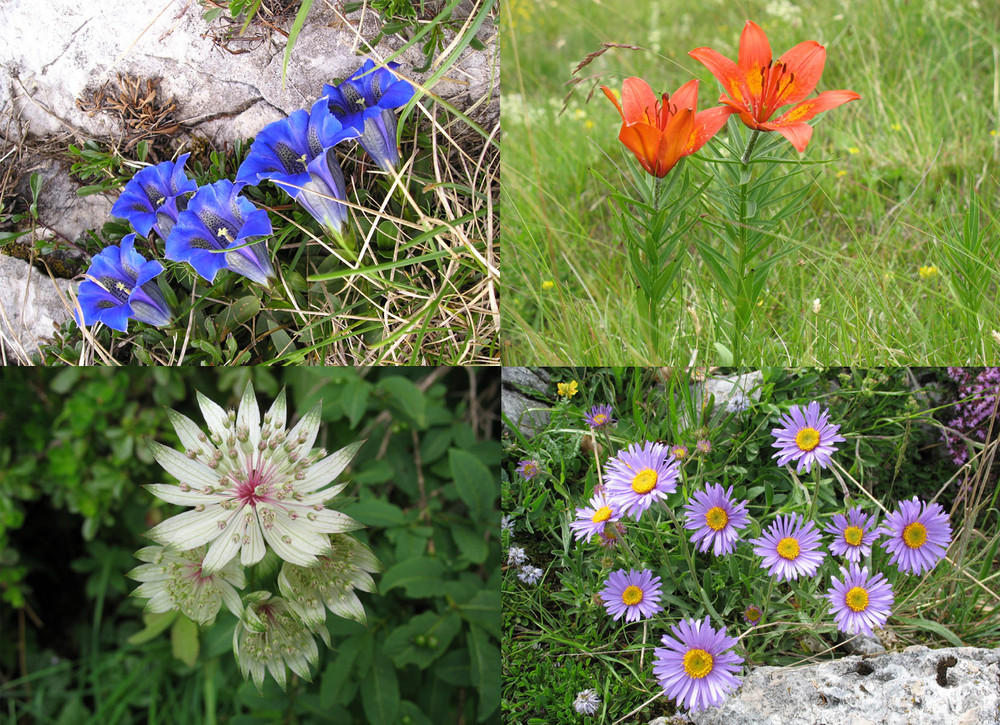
point(120, 286)
point(217, 231)
point(366, 100)
point(154, 197)
point(297, 155)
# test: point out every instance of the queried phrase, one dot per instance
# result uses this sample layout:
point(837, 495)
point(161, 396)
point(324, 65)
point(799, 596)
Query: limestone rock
point(32, 306)
point(918, 686)
point(530, 416)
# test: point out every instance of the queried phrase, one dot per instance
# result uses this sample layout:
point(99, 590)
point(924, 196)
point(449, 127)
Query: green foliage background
point(73, 456)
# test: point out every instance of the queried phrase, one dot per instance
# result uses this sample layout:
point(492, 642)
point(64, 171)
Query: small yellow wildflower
point(896, 127)
point(854, 150)
point(927, 271)
point(993, 132)
point(841, 173)
point(548, 284)
point(567, 390)
point(579, 113)
point(588, 124)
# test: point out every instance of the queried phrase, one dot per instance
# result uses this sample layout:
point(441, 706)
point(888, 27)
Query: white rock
point(915, 687)
point(32, 306)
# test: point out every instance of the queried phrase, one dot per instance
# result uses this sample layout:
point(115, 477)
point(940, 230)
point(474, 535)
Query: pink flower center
point(253, 488)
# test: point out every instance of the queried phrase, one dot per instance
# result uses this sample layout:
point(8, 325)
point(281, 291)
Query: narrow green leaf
point(380, 691)
point(155, 624)
point(484, 658)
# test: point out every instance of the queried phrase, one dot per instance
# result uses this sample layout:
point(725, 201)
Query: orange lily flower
point(659, 132)
point(757, 86)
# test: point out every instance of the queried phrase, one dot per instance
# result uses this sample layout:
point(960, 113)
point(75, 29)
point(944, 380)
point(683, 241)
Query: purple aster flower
point(703, 447)
point(640, 475)
point(752, 615)
point(587, 702)
point(592, 519)
point(806, 437)
point(790, 548)
point(611, 534)
point(635, 594)
point(696, 667)
point(859, 602)
point(216, 232)
point(715, 519)
point(366, 100)
point(154, 197)
point(296, 154)
point(680, 452)
point(599, 417)
point(853, 534)
point(918, 535)
point(528, 468)
point(120, 286)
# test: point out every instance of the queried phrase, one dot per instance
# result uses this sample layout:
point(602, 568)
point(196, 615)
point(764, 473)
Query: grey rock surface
point(535, 379)
point(918, 686)
point(32, 306)
point(530, 416)
point(729, 388)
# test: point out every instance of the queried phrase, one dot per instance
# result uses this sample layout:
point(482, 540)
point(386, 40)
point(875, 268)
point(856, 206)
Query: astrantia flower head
point(917, 535)
point(587, 702)
point(853, 534)
point(807, 436)
point(715, 519)
point(221, 230)
point(634, 594)
point(752, 615)
point(366, 100)
point(697, 667)
point(154, 197)
point(859, 602)
point(790, 548)
point(599, 417)
point(347, 567)
point(174, 580)
point(592, 519)
point(120, 286)
point(528, 468)
point(251, 483)
point(269, 636)
point(640, 475)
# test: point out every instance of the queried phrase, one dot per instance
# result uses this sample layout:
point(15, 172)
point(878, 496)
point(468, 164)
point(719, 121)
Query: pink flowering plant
point(781, 540)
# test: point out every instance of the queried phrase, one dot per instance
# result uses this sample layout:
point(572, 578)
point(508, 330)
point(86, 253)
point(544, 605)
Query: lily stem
point(750, 144)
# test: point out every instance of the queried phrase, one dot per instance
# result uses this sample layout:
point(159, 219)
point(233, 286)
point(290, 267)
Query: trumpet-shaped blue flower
point(154, 197)
point(217, 231)
point(297, 155)
point(120, 286)
point(366, 100)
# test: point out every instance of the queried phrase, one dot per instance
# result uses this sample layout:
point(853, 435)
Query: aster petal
point(327, 469)
point(189, 529)
point(178, 465)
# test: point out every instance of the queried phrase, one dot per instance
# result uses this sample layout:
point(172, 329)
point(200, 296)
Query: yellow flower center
point(644, 481)
point(788, 548)
point(602, 514)
point(716, 519)
point(697, 663)
point(680, 452)
point(915, 535)
point(632, 595)
point(857, 599)
point(807, 439)
point(600, 419)
point(853, 535)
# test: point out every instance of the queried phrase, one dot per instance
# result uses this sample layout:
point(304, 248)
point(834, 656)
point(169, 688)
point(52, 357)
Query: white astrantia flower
point(332, 583)
point(175, 580)
point(249, 484)
point(269, 636)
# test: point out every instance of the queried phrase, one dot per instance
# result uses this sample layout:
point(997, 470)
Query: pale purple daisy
point(530, 574)
point(918, 535)
point(703, 447)
point(790, 548)
point(859, 602)
point(592, 519)
point(251, 481)
point(853, 534)
point(715, 519)
point(611, 534)
point(587, 702)
point(599, 417)
point(640, 475)
point(635, 594)
point(680, 452)
point(807, 436)
point(696, 667)
point(528, 469)
point(752, 615)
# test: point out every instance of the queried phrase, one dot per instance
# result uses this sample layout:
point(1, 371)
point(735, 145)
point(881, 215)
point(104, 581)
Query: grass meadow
point(891, 263)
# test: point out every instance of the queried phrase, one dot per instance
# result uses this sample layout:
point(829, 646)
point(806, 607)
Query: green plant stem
point(750, 144)
point(682, 536)
point(649, 308)
point(815, 494)
point(742, 305)
point(208, 688)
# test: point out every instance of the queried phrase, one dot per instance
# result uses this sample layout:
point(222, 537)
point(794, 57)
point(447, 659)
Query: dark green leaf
point(420, 577)
point(476, 486)
point(380, 692)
